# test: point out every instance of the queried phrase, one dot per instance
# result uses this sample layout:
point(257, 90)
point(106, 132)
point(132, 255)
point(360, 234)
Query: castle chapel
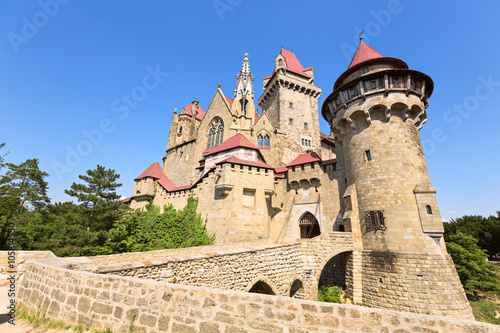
point(276, 177)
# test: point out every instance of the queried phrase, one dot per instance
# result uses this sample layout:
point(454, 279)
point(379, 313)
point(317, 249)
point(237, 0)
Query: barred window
point(375, 220)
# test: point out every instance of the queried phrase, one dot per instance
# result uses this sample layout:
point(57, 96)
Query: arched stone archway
point(261, 285)
point(309, 226)
point(334, 271)
point(261, 288)
point(297, 289)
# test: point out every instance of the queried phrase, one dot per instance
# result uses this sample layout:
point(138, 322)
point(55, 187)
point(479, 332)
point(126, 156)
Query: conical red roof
point(364, 53)
point(154, 170)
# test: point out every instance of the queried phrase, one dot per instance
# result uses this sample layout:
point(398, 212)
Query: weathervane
point(360, 36)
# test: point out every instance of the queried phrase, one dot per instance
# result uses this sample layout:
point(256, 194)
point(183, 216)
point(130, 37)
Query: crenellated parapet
point(289, 82)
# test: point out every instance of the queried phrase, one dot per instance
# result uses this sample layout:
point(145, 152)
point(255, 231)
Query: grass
point(39, 319)
point(486, 307)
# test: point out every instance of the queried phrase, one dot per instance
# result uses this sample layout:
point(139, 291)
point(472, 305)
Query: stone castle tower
point(376, 109)
point(290, 101)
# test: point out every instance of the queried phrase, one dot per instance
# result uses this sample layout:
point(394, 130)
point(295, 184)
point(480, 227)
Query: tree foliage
point(98, 200)
point(475, 272)
point(149, 229)
point(22, 189)
point(485, 230)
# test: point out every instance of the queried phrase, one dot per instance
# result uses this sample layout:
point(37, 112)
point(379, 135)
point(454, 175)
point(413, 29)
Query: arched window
point(309, 226)
point(260, 140)
point(215, 133)
point(429, 209)
point(263, 141)
point(266, 141)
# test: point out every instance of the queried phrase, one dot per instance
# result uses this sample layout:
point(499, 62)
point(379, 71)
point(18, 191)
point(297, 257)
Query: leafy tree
point(99, 202)
point(148, 229)
point(22, 189)
point(475, 273)
point(2, 164)
point(485, 230)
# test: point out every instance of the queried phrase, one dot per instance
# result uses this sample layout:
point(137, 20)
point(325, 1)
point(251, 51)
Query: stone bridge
point(286, 270)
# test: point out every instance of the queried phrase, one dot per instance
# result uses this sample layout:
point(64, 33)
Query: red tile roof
point(364, 53)
point(239, 140)
point(236, 160)
point(166, 183)
point(200, 112)
point(305, 158)
point(154, 170)
point(281, 169)
point(127, 200)
point(292, 64)
point(256, 116)
point(327, 138)
point(229, 100)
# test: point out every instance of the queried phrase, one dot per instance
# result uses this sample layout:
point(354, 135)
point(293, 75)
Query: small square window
point(305, 125)
point(290, 121)
point(291, 105)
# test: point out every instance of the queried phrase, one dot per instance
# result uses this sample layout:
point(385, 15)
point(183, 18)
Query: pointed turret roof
point(292, 64)
point(154, 170)
point(363, 53)
point(200, 113)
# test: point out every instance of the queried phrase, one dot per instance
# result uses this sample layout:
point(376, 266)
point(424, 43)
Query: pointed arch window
point(266, 141)
point(215, 133)
point(263, 141)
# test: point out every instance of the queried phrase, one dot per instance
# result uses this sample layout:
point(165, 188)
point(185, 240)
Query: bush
point(331, 294)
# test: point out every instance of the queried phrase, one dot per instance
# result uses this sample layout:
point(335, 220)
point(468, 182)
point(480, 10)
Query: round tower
point(376, 109)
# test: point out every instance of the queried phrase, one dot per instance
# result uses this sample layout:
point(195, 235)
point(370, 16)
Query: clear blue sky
point(66, 65)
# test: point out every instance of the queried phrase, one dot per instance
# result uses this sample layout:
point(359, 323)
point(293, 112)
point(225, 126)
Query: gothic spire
point(244, 80)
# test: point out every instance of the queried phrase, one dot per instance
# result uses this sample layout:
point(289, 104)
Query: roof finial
point(361, 37)
point(246, 54)
point(218, 85)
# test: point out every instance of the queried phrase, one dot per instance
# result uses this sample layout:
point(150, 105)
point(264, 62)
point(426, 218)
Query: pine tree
point(98, 200)
point(22, 188)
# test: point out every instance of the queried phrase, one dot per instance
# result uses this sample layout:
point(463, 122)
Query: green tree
point(148, 229)
point(22, 189)
point(2, 164)
point(475, 273)
point(485, 230)
point(98, 200)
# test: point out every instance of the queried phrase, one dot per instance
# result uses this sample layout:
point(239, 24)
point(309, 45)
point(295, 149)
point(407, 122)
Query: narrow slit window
point(368, 155)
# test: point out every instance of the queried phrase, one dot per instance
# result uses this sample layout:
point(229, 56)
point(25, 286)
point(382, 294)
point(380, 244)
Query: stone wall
point(414, 282)
point(20, 258)
point(134, 257)
point(240, 268)
point(127, 304)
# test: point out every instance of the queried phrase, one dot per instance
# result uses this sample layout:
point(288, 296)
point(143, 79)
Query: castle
point(277, 179)
point(275, 176)
point(292, 209)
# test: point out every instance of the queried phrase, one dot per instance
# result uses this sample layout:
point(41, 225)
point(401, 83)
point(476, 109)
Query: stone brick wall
point(20, 258)
point(239, 268)
point(233, 270)
point(414, 282)
point(132, 305)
